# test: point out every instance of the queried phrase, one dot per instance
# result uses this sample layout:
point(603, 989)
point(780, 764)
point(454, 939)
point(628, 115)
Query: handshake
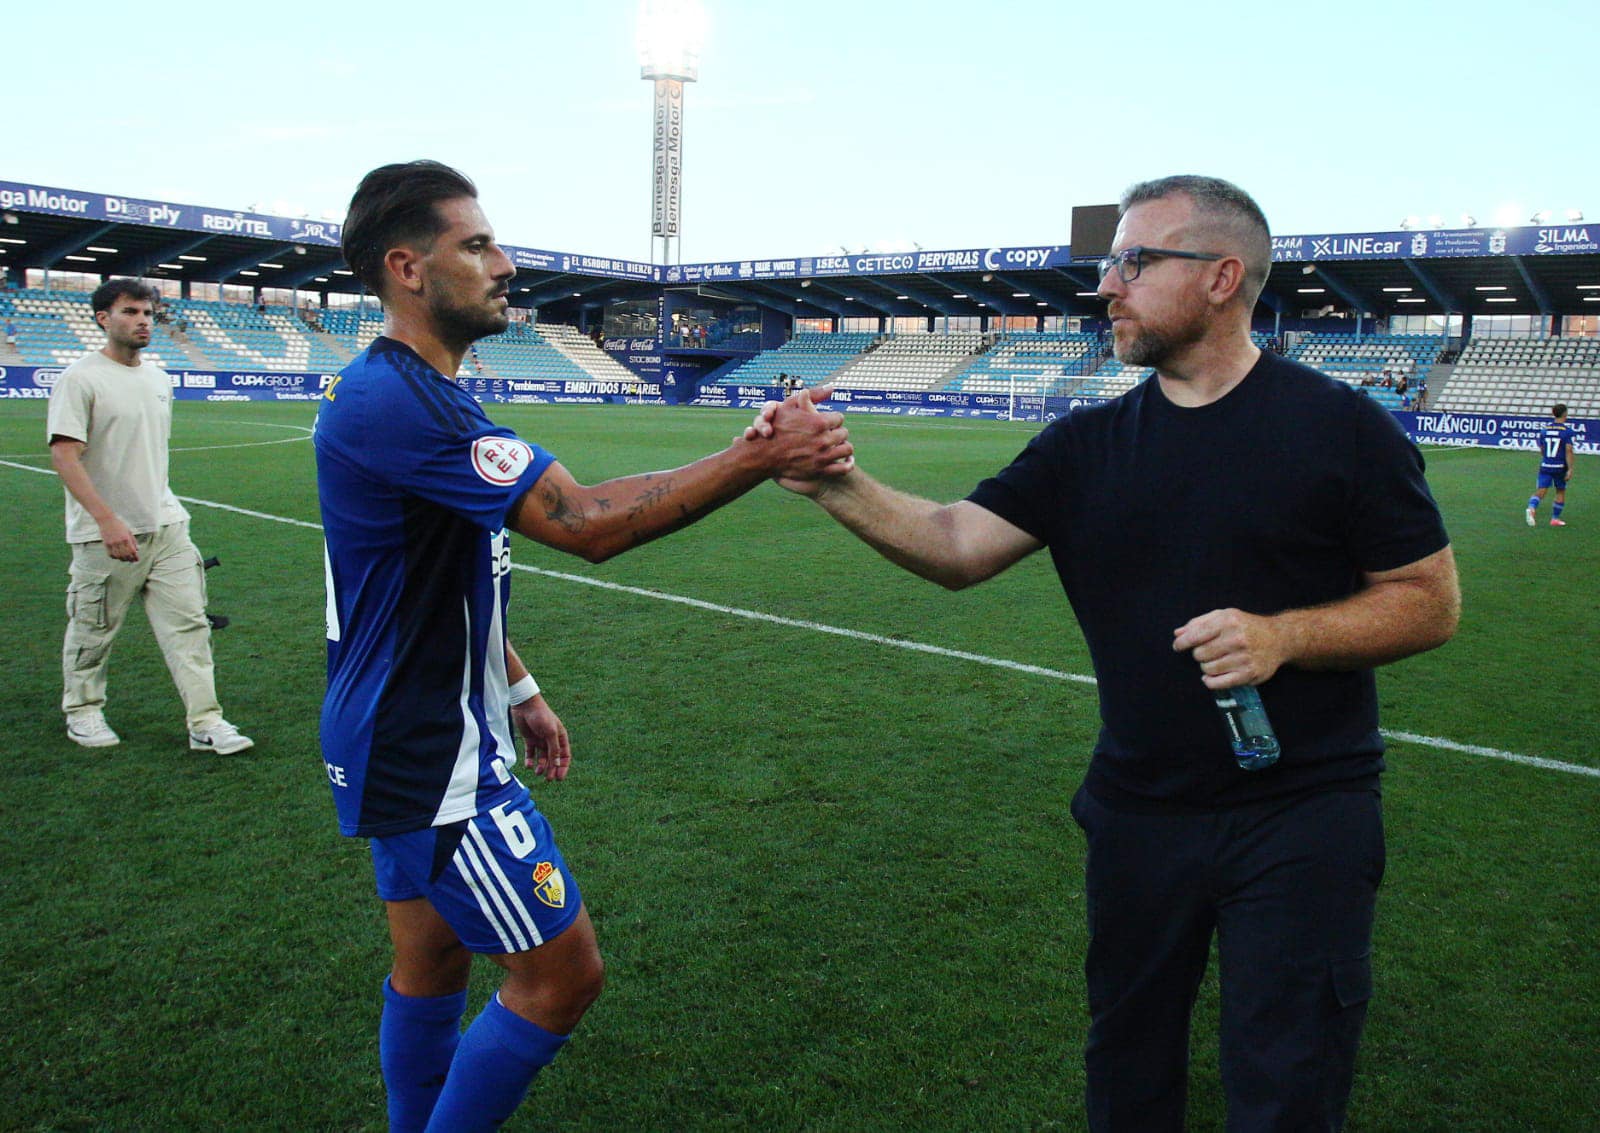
point(800, 445)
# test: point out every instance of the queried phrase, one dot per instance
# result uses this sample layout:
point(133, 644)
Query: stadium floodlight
point(669, 37)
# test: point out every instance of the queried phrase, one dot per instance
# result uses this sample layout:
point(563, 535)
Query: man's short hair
point(1558, 410)
point(1225, 209)
point(393, 205)
point(106, 295)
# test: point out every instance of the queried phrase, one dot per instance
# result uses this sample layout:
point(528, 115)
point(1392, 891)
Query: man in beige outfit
point(109, 422)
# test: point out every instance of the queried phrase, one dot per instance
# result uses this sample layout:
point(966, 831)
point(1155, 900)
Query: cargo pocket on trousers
point(86, 600)
point(1351, 984)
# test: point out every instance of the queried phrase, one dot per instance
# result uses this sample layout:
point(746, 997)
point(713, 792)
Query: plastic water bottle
point(1255, 744)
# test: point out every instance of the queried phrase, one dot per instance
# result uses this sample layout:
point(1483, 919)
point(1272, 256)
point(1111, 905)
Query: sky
point(877, 125)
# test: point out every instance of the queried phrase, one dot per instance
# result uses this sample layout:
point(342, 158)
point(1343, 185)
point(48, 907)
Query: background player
point(1556, 466)
point(109, 423)
point(417, 487)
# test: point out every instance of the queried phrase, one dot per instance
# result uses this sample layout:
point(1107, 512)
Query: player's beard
point(463, 324)
point(1154, 345)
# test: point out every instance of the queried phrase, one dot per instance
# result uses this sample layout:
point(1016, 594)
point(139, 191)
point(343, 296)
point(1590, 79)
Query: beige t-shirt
point(123, 414)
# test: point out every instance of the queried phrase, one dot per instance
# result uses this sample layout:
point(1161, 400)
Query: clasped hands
point(812, 444)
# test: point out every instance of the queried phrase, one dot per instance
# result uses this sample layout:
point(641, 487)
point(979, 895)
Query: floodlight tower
point(669, 38)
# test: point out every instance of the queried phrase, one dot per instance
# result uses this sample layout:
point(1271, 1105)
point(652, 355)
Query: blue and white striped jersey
point(415, 484)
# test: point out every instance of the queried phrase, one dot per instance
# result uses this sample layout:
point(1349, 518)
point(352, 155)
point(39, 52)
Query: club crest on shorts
point(500, 460)
point(548, 885)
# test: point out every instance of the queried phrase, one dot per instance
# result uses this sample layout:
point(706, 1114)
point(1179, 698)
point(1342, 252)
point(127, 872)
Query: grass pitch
point(834, 880)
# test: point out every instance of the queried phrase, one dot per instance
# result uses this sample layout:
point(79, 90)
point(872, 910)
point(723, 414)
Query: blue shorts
point(1556, 480)
point(497, 879)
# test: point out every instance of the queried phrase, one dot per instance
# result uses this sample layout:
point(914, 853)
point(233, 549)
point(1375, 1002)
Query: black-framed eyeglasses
point(1130, 261)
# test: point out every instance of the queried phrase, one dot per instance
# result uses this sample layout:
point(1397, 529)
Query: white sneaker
point(1529, 514)
point(92, 731)
point(221, 737)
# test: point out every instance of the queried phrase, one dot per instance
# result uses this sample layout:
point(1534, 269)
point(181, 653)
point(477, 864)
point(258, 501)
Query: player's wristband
point(524, 690)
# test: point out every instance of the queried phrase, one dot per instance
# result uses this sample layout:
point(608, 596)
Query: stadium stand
point(233, 336)
point(1524, 375)
point(811, 356)
point(577, 348)
point(1030, 363)
point(1112, 379)
point(55, 328)
point(1355, 359)
point(912, 362)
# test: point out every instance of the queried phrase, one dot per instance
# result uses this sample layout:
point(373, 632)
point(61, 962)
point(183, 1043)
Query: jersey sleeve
point(435, 442)
point(71, 407)
point(1393, 518)
point(1026, 493)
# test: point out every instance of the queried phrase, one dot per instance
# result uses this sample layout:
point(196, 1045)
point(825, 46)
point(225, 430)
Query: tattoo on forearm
point(558, 510)
point(649, 498)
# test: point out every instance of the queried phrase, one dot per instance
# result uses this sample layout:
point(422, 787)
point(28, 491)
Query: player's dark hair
point(1558, 410)
point(393, 205)
point(106, 295)
point(1224, 206)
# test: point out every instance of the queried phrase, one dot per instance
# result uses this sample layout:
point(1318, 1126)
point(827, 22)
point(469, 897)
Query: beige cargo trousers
point(172, 583)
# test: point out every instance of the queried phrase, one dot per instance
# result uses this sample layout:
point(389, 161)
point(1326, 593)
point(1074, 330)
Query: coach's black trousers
point(1289, 888)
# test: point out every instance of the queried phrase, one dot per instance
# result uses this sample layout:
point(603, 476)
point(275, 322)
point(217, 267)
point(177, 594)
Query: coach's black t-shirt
point(1275, 497)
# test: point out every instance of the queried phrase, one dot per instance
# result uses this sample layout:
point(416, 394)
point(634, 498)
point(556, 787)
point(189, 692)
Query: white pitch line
point(877, 639)
point(819, 627)
point(304, 430)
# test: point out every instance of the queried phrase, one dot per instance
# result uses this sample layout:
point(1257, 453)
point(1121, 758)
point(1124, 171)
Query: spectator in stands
point(109, 419)
point(1182, 591)
point(1556, 466)
point(11, 333)
point(417, 490)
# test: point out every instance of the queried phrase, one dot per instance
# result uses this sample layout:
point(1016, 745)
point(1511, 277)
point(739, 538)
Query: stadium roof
point(1549, 270)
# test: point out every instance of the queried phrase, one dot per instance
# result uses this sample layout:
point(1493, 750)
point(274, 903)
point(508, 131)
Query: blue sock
point(1533, 503)
point(1555, 511)
point(417, 1040)
point(493, 1068)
